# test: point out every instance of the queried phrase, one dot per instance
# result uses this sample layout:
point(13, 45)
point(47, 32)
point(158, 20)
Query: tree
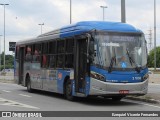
point(9, 61)
point(151, 57)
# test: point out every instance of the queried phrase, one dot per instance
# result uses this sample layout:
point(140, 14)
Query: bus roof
point(85, 26)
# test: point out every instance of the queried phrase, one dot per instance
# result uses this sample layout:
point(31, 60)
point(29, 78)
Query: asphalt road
point(44, 101)
point(16, 98)
point(154, 88)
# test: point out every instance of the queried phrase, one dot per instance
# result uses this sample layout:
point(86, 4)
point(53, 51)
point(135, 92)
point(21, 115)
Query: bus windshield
point(120, 50)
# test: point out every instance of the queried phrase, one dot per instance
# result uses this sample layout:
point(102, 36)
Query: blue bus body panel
point(87, 89)
point(121, 76)
point(86, 26)
point(61, 74)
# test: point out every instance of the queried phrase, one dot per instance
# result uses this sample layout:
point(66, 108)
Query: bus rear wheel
point(29, 89)
point(68, 90)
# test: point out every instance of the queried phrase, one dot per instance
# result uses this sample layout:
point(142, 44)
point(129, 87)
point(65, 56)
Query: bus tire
point(117, 98)
point(68, 90)
point(29, 89)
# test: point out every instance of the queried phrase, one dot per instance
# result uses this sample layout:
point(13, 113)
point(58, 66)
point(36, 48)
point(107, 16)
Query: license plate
point(124, 91)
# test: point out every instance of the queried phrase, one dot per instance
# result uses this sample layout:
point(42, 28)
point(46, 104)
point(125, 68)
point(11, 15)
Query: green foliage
point(151, 58)
point(9, 61)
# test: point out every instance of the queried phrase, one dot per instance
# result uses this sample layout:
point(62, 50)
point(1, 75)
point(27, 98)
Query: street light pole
point(41, 27)
point(4, 33)
point(103, 7)
point(154, 34)
point(123, 11)
point(70, 11)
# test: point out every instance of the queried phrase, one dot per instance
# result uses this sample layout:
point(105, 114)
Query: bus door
point(21, 65)
point(80, 64)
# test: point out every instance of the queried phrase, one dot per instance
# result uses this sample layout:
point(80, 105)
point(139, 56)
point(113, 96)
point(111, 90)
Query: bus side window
point(44, 62)
point(69, 53)
point(61, 51)
point(69, 45)
point(28, 53)
point(37, 53)
point(52, 54)
point(69, 61)
point(36, 56)
point(60, 46)
point(52, 62)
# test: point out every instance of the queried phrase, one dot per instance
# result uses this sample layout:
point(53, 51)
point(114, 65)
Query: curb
point(143, 99)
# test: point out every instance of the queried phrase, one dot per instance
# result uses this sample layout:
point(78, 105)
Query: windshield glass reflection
point(120, 50)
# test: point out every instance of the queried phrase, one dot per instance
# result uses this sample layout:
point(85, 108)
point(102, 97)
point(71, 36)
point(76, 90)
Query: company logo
point(21, 114)
point(6, 114)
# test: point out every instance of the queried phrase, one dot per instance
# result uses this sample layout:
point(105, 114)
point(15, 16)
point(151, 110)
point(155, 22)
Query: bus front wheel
point(68, 90)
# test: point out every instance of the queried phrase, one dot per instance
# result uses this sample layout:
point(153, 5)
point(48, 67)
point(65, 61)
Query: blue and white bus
point(90, 58)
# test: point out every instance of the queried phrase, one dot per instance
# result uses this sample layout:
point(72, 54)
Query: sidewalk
point(9, 78)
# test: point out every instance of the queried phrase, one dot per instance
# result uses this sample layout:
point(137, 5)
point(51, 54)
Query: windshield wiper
point(111, 64)
point(132, 61)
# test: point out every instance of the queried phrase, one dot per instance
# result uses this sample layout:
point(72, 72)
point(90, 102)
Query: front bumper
point(108, 89)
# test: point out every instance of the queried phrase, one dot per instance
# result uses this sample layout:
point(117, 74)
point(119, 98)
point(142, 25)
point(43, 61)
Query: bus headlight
point(146, 76)
point(97, 76)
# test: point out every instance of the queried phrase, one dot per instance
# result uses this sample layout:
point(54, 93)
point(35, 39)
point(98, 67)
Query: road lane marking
point(6, 91)
point(25, 95)
point(14, 103)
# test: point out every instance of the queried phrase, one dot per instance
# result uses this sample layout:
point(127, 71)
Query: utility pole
point(154, 34)
point(70, 11)
point(123, 11)
point(103, 7)
point(41, 27)
point(150, 40)
point(4, 34)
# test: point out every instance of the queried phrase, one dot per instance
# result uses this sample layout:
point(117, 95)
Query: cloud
point(23, 16)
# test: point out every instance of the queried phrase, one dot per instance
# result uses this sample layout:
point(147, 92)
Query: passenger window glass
point(52, 61)
point(45, 61)
point(69, 45)
point(69, 61)
point(60, 46)
point(37, 53)
point(28, 53)
point(44, 57)
point(45, 48)
point(60, 61)
point(52, 47)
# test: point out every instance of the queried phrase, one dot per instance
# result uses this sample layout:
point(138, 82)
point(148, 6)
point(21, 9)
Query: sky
point(23, 16)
